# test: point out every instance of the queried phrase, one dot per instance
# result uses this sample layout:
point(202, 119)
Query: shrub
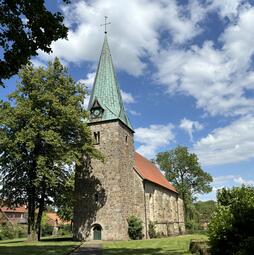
point(151, 230)
point(20, 231)
point(8, 231)
point(192, 225)
point(65, 230)
point(135, 227)
point(231, 230)
point(46, 230)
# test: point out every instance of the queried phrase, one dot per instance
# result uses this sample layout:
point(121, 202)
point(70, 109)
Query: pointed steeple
point(106, 101)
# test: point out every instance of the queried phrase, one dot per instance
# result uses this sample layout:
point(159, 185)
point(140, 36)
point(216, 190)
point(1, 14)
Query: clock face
point(96, 113)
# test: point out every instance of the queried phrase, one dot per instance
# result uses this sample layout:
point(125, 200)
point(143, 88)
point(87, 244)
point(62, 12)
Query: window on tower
point(96, 137)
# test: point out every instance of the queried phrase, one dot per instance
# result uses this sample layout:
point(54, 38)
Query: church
point(123, 183)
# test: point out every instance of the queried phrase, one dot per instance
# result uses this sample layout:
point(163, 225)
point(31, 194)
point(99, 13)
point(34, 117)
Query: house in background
point(16, 215)
point(19, 215)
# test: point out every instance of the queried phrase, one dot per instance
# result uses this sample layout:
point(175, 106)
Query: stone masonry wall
point(165, 209)
point(139, 201)
point(114, 180)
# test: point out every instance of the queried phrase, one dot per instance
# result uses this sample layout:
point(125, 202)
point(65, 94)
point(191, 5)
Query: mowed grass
point(164, 246)
point(48, 246)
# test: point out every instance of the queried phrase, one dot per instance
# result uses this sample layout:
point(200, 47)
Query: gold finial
point(105, 24)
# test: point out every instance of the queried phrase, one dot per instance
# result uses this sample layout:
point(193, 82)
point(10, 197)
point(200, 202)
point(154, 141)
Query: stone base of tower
point(98, 231)
point(105, 189)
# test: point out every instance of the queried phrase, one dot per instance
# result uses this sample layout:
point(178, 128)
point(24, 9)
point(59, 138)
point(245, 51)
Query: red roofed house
point(15, 215)
point(125, 183)
point(19, 215)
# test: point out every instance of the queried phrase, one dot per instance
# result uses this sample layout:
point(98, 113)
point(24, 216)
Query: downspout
point(145, 210)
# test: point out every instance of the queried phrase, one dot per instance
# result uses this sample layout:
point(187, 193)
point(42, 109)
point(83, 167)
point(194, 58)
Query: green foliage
point(192, 226)
point(151, 230)
point(26, 26)
point(184, 171)
point(204, 210)
point(43, 135)
point(231, 230)
point(65, 230)
point(46, 230)
point(64, 200)
point(201, 213)
point(8, 231)
point(135, 227)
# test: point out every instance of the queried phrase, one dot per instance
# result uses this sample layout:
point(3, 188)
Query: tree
point(231, 230)
point(184, 171)
point(43, 133)
point(64, 199)
point(26, 26)
point(203, 212)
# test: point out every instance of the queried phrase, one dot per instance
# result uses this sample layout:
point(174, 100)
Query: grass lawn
point(165, 246)
point(48, 246)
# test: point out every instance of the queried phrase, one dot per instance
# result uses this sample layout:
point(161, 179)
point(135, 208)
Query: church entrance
point(97, 232)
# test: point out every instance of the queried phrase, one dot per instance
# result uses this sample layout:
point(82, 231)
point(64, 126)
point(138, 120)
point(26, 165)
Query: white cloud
point(232, 143)
point(243, 181)
point(152, 138)
point(219, 79)
point(86, 102)
point(220, 182)
point(182, 20)
point(134, 113)
point(227, 8)
point(88, 82)
point(127, 97)
point(225, 181)
point(190, 126)
point(37, 63)
point(132, 38)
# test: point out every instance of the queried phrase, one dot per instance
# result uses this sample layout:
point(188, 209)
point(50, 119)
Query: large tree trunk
point(31, 190)
point(41, 209)
point(31, 216)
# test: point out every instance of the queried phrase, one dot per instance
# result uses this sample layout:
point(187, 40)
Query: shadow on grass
point(144, 251)
point(11, 241)
point(36, 250)
point(57, 239)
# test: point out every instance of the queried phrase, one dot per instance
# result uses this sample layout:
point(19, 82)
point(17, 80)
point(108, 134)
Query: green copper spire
point(106, 101)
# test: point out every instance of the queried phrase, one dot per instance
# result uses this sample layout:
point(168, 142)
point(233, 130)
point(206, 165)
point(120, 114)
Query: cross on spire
point(105, 24)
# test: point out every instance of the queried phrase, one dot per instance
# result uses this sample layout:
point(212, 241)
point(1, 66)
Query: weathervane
point(105, 24)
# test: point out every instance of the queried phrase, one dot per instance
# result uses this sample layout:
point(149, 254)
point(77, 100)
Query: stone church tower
point(113, 136)
point(124, 183)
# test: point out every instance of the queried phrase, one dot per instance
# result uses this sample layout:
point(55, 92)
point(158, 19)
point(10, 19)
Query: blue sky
point(185, 69)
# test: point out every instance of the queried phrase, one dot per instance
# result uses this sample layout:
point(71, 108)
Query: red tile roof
point(53, 218)
point(17, 209)
point(150, 172)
